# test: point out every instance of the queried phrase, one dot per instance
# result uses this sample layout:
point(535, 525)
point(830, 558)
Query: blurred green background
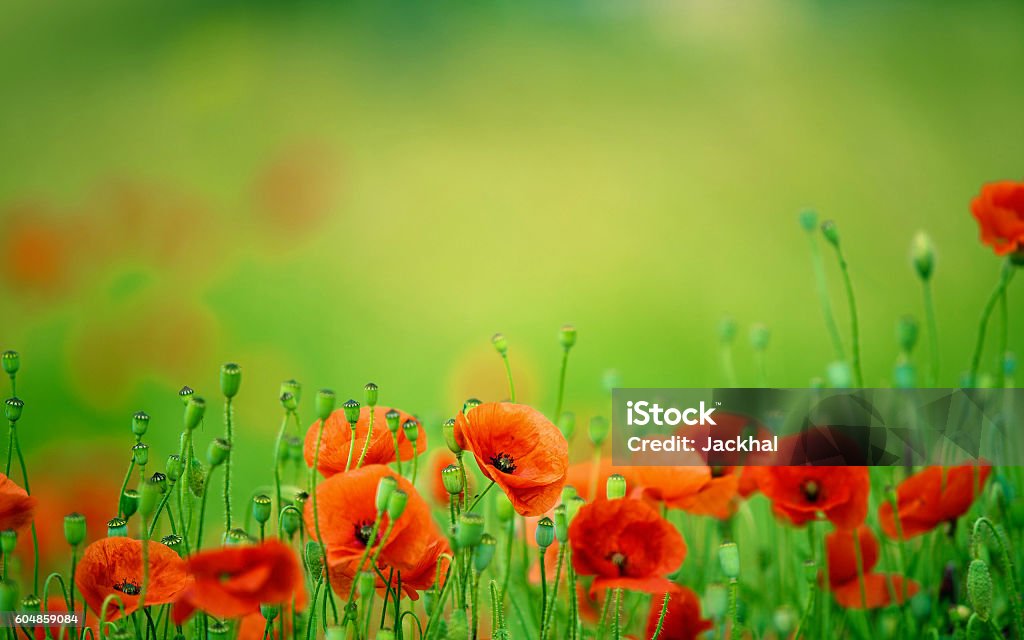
point(344, 192)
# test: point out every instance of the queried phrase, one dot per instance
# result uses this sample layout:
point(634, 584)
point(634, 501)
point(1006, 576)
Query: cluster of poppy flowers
point(360, 552)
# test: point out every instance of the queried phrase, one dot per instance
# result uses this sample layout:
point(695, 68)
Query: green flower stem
point(398, 455)
point(480, 497)
point(933, 334)
point(508, 374)
point(144, 531)
point(561, 383)
point(543, 590)
point(311, 621)
point(415, 464)
point(277, 463)
point(603, 618)
point(228, 436)
point(351, 447)
point(734, 614)
point(1005, 276)
point(202, 511)
point(510, 537)
point(442, 599)
point(574, 603)
point(661, 618)
point(858, 377)
point(183, 482)
point(821, 286)
point(1003, 340)
point(316, 511)
point(552, 606)
point(366, 445)
point(35, 538)
point(74, 565)
point(159, 510)
point(727, 364)
point(617, 615)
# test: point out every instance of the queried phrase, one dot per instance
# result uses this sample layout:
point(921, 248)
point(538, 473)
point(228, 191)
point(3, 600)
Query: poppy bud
point(129, 502)
point(385, 488)
point(370, 394)
point(140, 454)
point(217, 630)
point(573, 507)
point(451, 478)
point(149, 496)
point(196, 477)
point(906, 333)
point(808, 219)
point(567, 336)
point(503, 508)
point(567, 425)
point(367, 583)
point(290, 520)
point(173, 467)
point(839, 375)
point(74, 529)
point(288, 402)
point(324, 403)
point(270, 611)
point(561, 520)
point(545, 533)
point(160, 481)
point(500, 343)
point(785, 620)
point(351, 411)
point(922, 253)
point(11, 362)
point(831, 233)
point(237, 536)
point(261, 508)
point(471, 404)
point(31, 603)
point(616, 487)
point(8, 540)
point(117, 528)
point(217, 452)
point(411, 429)
point(230, 379)
point(469, 530)
point(448, 430)
point(717, 601)
point(140, 422)
point(8, 596)
point(194, 411)
point(760, 334)
point(396, 504)
point(979, 588)
point(729, 559)
point(185, 393)
point(13, 408)
point(391, 418)
point(293, 387)
point(568, 493)
point(314, 558)
point(726, 330)
point(598, 430)
point(175, 543)
point(921, 607)
point(484, 552)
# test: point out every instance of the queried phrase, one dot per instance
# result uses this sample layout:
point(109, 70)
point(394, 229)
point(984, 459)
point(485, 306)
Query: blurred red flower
point(683, 620)
point(234, 581)
point(931, 497)
point(625, 543)
point(419, 577)
point(879, 590)
point(16, 506)
point(799, 493)
point(999, 210)
point(520, 450)
point(113, 566)
point(337, 434)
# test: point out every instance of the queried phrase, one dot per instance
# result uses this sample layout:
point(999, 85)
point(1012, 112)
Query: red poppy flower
point(879, 590)
point(682, 619)
point(113, 566)
point(799, 493)
point(419, 577)
point(749, 481)
point(625, 543)
point(337, 436)
point(700, 490)
point(231, 582)
point(931, 497)
point(16, 506)
point(999, 210)
point(520, 450)
point(347, 505)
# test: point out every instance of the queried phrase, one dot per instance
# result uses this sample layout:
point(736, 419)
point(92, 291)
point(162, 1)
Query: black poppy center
point(812, 491)
point(128, 587)
point(364, 530)
point(618, 559)
point(504, 462)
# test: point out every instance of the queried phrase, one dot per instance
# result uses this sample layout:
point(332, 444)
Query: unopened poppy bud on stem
point(484, 552)
point(13, 408)
point(922, 253)
point(194, 411)
point(411, 428)
point(831, 233)
point(451, 478)
point(567, 424)
point(396, 504)
point(270, 611)
point(351, 408)
point(370, 394)
point(74, 529)
point(979, 588)
point(261, 508)
point(760, 335)
point(906, 333)
point(503, 508)
point(217, 452)
point(117, 528)
point(561, 520)
point(470, 530)
point(727, 330)
point(11, 362)
point(500, 343)
point(598, 430)
point(448, 430)
point(230, 379)
point(385, 488)
point(140, 454)
point(616, 487)
point(324, 403)
point(293, 387)
point(367, 584)
point(808, 220)
point(8, 540)
point(567, 336)
point(839, 374)
point(729, 559)
point(174, 467)
point(572, 507)
point(545, 534)
point(140, 423)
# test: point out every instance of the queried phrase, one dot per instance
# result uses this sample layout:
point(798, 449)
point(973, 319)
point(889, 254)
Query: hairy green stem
point(1005, 275)
point(228, 435)
point(933, 334)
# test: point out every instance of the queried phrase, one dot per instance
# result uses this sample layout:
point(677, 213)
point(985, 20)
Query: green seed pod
point(760, 335)
point(729, 559)
point(140, 423)
point(11, 363)
point(567, 424)
point(411, 429)
point(13, 408)
point(230, 379)
point(448, 431)
point(194, 411)
point(31, 603)
point(922, 254)
point(173, 467)
point(906, 333)
point(288, 401)
point(217, 630)
point(8, 596)
point(396, 504)
point(293, 387)
point(500, 343)
point(237, 536)
point(567, 336)
point(484, 552)
point(391, 418)
point(809, 220)
point(175, 543)
point(314, 558)
point(561, 520)
point(573, 507)
point(831, 232)
point(74, 529)
point(370, 393)
point(545, 533)
point(451, 478)
point(185, 394)
point(839, 375)
point(8, 540)
point(921, 607)
point(598, 430)
point(367, 584)
point(503, 508)
point(117, 528)
point(716, 601)
point(217, 452)
point(469, 530)
point(261, 508)
point(385, 488)
point(616, 487)
point(785, 620)
point(160, 480)
point(140, 454)
point(129, 502)
point(727, 330)
point(149, 497)
point(324, 403)
point(568, 493)
point(351, 408)
point(291, 519)
point(270, 611)
point(196, 477)
point(471, 404)
point(979, 588)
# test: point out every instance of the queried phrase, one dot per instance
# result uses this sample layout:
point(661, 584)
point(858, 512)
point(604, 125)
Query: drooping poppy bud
point(616, 487)
point(484, 552)
point(448, 430)
point(230, 379)
point(8, 540)
point(808, 220)
point(293, 387)
point(567, 336)
point(175, 543)
point(74, 529)
point(451, 478)
point(324, 403)
point(351, 408)
point(729, 559)
point(261, 508)
point(396, 504)
point(545, 533)
point(567, 424)
point(140, 423)
point(237, 536)
point(411, 429)
point(979, 588)
point(370, 394)
point(598, 430)
point(140, 454)
point(906, 333)
point(270, 611)
point(500, 343)
point(217, 452)
point(922, 253)
point(11, 363)
point(129, 502)
point(469, 530)
point(194, 411)
point(117, 528)
point(831, 232)
point(13, 408)
point(385, 487)
point(314, 558)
